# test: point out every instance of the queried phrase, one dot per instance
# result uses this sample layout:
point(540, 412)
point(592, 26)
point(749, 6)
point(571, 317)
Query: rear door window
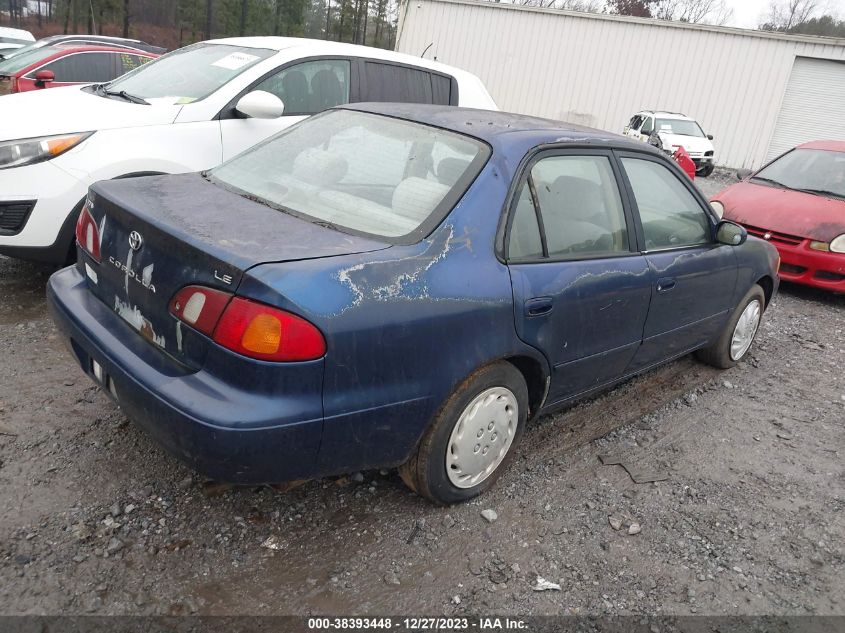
point(401, 84)
point(310, 87)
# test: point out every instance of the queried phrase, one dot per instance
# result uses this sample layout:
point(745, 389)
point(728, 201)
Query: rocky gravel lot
point(748, 515)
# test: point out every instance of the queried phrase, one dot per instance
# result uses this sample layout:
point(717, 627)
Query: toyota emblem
point(135, 241)
point(766, 236)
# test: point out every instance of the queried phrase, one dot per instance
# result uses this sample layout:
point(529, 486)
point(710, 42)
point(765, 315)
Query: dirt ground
point(750, 518)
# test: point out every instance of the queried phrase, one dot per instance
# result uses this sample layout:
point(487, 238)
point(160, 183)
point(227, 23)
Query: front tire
point(470, 441)
point(739, 333)
point(706, 171)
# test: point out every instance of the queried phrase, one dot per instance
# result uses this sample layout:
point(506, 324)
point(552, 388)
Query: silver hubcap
point(745, 330)
point(482, 437)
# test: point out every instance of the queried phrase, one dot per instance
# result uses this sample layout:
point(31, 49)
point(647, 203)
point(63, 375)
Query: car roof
point(664, 114)
point(497, 127)
point(63, 49)
point(91, 38)
point(310, 47)
point(831, 146)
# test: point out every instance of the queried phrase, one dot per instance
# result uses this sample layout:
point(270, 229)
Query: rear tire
point(739, 332)
point(470, 441)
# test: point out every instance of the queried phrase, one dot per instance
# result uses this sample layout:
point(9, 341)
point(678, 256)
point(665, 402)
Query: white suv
point(187, 111)
point(669, 129)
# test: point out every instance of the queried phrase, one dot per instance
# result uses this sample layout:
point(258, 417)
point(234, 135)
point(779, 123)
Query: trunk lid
point(161, 233)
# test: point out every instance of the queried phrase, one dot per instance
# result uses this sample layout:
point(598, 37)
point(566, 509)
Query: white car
point(13, 39)
point(187, 111)
point(670, 129)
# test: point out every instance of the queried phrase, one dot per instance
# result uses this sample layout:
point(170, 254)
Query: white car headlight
point(35, 150)
point(837, 244)
point(718, 207)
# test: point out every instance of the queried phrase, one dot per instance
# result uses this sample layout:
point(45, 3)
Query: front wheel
point(739, 333)
point(471, 439)
point(706, 171)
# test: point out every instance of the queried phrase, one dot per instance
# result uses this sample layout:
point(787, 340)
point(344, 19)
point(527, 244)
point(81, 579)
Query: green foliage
point(360, 21)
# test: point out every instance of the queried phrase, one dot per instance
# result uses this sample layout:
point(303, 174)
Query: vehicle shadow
point(22, 286)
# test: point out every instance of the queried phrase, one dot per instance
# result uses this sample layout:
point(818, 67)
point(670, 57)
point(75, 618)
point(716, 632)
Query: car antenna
point(426, 49)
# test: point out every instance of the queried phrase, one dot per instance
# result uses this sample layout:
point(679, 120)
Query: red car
point(797, 202)
point(54, 66)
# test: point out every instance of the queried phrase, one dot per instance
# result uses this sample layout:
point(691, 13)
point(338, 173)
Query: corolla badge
point(135, 241)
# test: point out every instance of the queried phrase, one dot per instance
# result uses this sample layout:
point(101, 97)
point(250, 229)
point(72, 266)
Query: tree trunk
point(244, 4)
point(126, 18)
point(209, 18)
point(328, 19)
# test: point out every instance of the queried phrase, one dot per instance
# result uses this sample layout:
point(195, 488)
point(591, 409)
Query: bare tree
point(694, 11)
point(588, 6)
point(785, 14)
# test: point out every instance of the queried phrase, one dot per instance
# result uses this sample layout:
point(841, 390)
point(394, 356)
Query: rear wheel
point(470, 442)
point(739, 333)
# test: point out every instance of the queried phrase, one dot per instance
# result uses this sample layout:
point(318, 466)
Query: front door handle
point(538, 306)
point(664, 284)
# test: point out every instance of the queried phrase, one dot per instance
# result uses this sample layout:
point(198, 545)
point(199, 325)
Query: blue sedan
point(387, 285)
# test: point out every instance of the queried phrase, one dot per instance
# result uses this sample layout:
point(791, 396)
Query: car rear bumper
point(225, 432)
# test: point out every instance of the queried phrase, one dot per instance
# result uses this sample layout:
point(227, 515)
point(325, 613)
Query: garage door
point(814, 105)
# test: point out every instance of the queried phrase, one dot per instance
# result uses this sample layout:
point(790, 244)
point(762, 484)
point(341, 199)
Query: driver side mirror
point(709, 137)
point(260, 104)
point(742, 174)
point(43, 77)
point(730, 233)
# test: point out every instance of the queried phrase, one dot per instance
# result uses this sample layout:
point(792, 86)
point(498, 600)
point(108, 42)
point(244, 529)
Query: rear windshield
point(680, 127)
point(191, 73)
point(361, 172)
point(22, 60)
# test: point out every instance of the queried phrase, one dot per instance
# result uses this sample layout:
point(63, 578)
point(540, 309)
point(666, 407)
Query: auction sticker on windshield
point(234, 61)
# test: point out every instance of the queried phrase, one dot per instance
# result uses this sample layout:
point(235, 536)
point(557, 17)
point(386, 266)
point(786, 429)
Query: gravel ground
point(748, 517)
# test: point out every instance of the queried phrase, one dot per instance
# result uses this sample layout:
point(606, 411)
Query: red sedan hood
point(784, 211)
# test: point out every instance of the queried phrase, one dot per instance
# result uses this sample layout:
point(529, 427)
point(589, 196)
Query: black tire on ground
point(706, 171)
point(425, 471)
point(719, 354)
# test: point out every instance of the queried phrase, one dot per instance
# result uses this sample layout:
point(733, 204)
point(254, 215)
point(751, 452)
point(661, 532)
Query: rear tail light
point(87, 233)
point(247, 327)
point(199, 307)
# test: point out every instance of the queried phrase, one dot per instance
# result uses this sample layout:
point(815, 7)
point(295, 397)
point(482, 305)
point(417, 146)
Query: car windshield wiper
point(771, 181)
point(823, 192)
point(124, 95)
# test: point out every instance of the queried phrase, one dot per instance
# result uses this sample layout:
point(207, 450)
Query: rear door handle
point(664, 284)
point(538, 306)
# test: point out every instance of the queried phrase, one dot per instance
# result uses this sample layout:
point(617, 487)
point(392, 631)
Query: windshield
point(21, 60)
point(680, 127)
point(814, 170)
point(364, 172)
point(191, 73)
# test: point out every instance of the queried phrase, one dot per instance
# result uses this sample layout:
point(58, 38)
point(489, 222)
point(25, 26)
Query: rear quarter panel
point(404, 327)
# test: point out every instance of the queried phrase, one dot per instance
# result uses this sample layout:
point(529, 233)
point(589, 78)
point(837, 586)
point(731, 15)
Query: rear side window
point(84, 67)
point(310, 87)
point(400, 84)
point(129, 61)
point(670, 215)
point(580, 207)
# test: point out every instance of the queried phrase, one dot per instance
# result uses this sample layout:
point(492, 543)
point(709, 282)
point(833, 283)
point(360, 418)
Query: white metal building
point(758, 93)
